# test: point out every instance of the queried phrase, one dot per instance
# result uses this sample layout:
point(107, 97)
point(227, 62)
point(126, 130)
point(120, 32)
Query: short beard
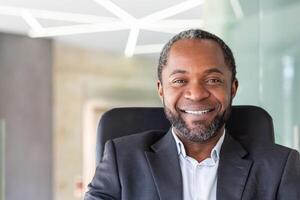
point(201, 132)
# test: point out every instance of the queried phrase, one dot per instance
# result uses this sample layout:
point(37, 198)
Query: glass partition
point(264, 37)
point(2, 159)
point(279, 62)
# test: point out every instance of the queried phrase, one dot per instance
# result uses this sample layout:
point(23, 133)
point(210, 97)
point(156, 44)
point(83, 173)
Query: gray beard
point(201, 132)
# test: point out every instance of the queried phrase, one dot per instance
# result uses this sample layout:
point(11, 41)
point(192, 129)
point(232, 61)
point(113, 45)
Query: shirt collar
point(215, 153)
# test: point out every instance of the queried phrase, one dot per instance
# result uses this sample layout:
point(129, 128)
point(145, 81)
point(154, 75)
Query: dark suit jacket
point(146, 166)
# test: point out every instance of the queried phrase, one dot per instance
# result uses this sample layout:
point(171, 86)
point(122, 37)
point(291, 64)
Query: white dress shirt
point(199, 178)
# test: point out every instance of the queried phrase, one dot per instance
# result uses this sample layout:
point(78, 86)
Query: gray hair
point(197, 34)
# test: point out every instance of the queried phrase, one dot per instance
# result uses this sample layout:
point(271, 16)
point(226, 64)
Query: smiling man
point(196, 83)
point(197, 88)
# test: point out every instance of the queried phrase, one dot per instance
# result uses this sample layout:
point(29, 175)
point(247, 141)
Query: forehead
point(199, 47)
point(195, 53)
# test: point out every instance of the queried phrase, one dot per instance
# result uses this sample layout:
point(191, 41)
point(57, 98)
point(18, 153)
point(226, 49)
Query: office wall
point(26, 107)
point(82, 76)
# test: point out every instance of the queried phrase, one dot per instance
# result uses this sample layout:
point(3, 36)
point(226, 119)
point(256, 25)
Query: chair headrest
point(248, 124)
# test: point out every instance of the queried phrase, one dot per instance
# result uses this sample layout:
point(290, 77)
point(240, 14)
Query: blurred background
point(63, 63)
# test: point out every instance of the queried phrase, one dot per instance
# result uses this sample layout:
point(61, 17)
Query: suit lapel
point(165, 168)
point(233, 170)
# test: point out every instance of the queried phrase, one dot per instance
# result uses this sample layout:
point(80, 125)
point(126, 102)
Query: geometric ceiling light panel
point(150, 22)
point(157, 21)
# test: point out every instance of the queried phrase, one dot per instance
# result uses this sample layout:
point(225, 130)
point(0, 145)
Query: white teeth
point(194, 112)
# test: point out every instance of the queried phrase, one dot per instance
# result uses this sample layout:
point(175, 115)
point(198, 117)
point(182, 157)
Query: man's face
point(197, 89)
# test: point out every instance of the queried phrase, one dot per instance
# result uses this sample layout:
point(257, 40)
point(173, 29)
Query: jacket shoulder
point(273, 153)
point(142, 140)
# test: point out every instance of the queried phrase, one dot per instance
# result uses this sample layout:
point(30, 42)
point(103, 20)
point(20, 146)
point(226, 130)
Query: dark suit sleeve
point(290, 182)
point(105, 184)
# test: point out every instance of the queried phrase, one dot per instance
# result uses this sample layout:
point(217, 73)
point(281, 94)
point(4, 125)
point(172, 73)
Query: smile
point(198, 112)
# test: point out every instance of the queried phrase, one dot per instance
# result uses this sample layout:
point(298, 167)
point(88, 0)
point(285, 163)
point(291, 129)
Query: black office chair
point(247, 124)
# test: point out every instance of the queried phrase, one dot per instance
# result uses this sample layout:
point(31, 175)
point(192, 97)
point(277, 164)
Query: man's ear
point(160, 90)
point(234, 87)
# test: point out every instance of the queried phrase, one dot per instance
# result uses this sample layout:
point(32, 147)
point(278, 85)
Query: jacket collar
point(233, 170)
point(165, 168)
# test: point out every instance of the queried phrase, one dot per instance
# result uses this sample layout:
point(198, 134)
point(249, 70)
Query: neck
point(201, 150)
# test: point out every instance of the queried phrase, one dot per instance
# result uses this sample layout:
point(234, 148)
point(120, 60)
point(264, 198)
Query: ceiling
point(129, 27)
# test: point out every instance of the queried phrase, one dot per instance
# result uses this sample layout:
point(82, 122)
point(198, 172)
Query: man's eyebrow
point(209, 71)
point(178, 71)
point(213, 70)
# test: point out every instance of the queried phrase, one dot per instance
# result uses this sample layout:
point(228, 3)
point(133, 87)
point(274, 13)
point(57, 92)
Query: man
point(197, 159)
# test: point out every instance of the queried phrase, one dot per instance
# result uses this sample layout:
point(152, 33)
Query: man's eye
point(214, 81)
point(180, 81)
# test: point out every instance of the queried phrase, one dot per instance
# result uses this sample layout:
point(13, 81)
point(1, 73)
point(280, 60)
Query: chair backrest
point(248, 124)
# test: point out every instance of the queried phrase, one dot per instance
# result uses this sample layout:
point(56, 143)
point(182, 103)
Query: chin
point(200, 131)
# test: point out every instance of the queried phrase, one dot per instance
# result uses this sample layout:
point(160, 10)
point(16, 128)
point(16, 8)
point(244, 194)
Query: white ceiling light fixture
point(77, 29)
point(237, 9)
point(127, 19)
point(55, 15)
point(116, 10)
point(38, 31)
point(131, 43)
point(31, 21)
point(156, 21)
point(137, 24)
point(92, 24)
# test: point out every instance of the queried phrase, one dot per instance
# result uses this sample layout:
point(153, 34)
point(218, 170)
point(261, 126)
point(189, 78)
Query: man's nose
point(196, 92)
